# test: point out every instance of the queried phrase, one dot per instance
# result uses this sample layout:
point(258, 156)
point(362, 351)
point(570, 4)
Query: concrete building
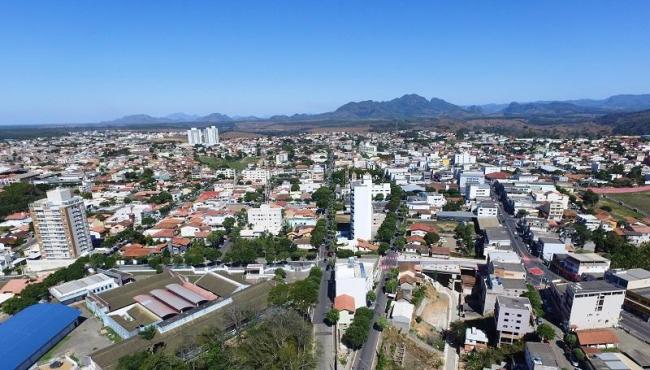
point(211, 136)
point(469, 178)
point(475, 338)
point(513, 319)
point(493, 287)
point(60, 225)
point(487, 209)
point(265, 219)
point(540, 356)
point(401, 315)
point(589, 304)
point(464, 158)
point(194, 136)
point(208, 136)
point(578, 264)
point(354, 279)
point(361, 210)
point(477, 191)
point(548, 246)
point(77, 290)
point(256, 176)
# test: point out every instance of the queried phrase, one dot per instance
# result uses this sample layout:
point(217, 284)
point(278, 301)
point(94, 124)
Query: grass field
point(217, 163)
point(640, 201)
point(619, 211)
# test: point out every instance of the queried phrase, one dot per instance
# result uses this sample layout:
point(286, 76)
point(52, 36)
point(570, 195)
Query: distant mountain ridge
point(415, 106)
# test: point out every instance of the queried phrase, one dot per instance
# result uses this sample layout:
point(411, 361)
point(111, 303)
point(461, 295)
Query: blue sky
point(83, 61)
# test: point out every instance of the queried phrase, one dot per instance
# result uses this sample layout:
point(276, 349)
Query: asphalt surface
point(530, 261)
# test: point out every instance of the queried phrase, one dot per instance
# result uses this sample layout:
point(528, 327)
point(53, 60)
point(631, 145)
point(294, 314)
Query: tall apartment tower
point(361, 207)
point(60, 225)
point(211, 136)
point(194, 136)
point(208, 136)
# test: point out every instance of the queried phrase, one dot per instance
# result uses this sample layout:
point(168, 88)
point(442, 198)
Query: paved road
point(324, 334)
point(366, 356)
point(636, 327)
point(530, 261)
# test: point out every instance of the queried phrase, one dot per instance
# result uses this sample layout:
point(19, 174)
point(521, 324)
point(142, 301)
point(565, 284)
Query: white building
point(577, 264)
point(194, 136)
point(361, 210)
point(487, 209)
point(211, 136)
point(354, 279)
point(77, 290)
point(208, 136)
point(513, 318)
point(477, 191)
point(590, 304)
point(256, 176)
point(265, 219)
point(401, 315)
point(464, 158)
point(468, 178)
point(60, 225)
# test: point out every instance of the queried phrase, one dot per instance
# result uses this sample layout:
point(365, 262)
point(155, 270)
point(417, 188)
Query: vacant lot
point(639, 201)
point(401, 352)
point(619, 211)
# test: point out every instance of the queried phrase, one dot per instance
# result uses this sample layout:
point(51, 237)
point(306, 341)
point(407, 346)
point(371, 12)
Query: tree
point(521, 213)
point(545, 332)
point(431, 238)
point(295, 187)
point(571, 340)
point(578, 354)
point(379, 197)
point(322, 197)
point(228, 224)
point(382, 323)
point(215, 237)
point(357, 333)
point(371, 296)
point(590, 198)
point(332, 316)
point(148, 333)
point(391, 286)
point(280, 274)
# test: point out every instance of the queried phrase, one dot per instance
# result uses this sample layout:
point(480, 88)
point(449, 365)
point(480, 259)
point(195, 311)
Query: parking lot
point(85, 339)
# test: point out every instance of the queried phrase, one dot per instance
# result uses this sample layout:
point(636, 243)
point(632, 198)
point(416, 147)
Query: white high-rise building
point(194, 136)
point(211, 136)
point(60, 225)
point(265, 218)
point(464, 158)
point(361, 208)
point(208, 136)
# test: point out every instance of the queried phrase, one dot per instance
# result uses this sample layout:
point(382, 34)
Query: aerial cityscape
point(336, 185)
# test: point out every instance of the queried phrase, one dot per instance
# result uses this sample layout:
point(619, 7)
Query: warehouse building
point(28, 335)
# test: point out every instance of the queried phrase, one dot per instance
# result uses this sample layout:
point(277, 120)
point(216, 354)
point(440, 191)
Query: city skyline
point(73, 64)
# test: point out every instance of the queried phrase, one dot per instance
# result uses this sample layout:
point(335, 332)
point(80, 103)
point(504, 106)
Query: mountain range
point(413, 106)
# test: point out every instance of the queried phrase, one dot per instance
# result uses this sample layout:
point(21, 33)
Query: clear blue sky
point(82, 61)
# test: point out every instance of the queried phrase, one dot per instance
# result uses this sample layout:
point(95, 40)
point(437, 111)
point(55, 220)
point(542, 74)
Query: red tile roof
point(344, 302)
point(592, 337)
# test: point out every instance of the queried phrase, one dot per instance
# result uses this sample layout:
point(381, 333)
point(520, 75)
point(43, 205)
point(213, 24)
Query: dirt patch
point(434, 309)
point(398, 351)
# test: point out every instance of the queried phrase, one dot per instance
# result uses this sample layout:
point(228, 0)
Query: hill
point(634, 123)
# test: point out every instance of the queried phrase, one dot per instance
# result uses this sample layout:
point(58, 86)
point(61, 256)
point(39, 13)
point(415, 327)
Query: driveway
point(85, 338)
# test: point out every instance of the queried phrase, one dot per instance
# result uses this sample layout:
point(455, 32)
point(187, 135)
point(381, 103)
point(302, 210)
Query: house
point(401, 315)
point(576, 265)
point(475, 339)
point(597, 339)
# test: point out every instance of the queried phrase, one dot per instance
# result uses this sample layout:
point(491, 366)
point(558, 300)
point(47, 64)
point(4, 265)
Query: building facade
point(60, 225)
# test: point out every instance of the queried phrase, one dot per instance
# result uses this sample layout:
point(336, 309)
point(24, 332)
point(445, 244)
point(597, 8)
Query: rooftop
point(27, 332)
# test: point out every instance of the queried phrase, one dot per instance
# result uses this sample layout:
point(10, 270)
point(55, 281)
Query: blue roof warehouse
point(29, 334)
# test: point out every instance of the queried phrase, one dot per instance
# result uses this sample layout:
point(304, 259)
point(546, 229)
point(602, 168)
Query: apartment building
point(589, 304)
point(477, 191)
point(513, 319)
point(578, 264)
point(256, 176)
point(361, 210)
point(265, 219)
point(60, 225)
point(208, 136)
point(487, 209)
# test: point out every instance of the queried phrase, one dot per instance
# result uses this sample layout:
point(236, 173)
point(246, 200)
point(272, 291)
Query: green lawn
point(619, 211)
point(237, 165)
point(640, 201)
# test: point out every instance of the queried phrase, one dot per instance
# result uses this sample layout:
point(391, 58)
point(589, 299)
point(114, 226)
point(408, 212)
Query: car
point(539, 321)
point(574, 362)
